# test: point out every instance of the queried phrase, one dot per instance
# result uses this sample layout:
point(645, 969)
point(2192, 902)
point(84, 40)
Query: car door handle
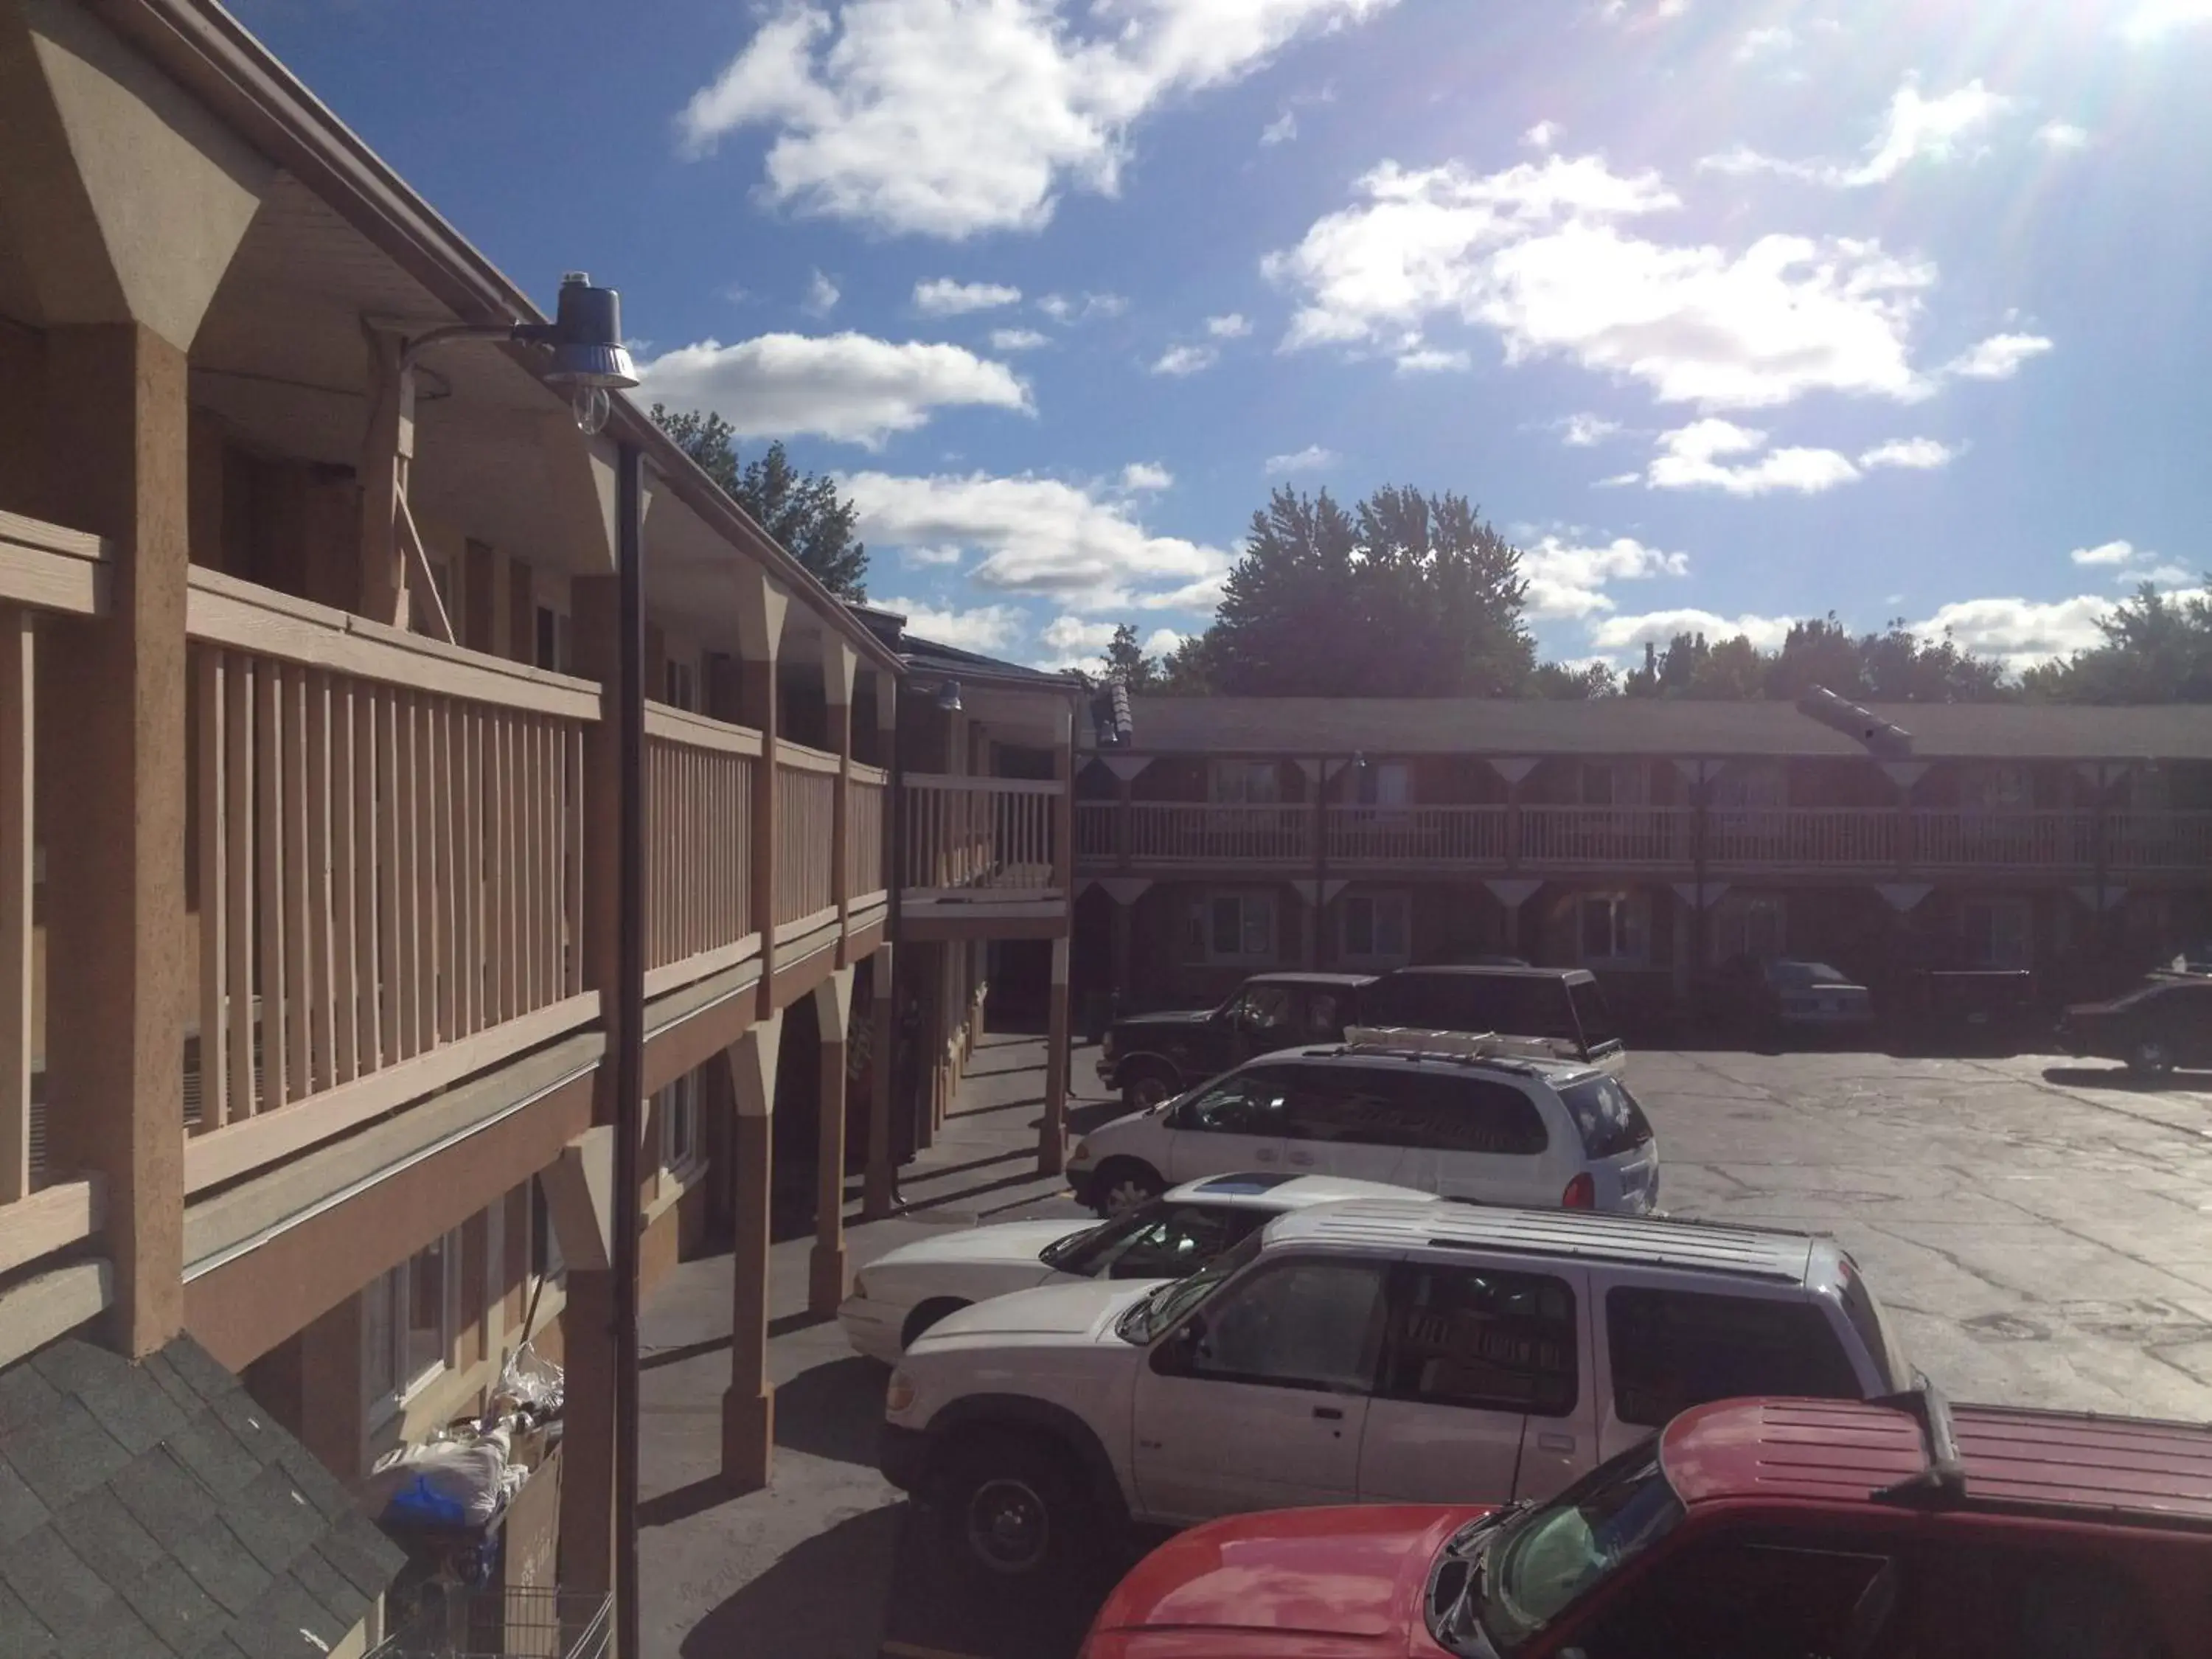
point(1555, 1442)
point(1329, 1413)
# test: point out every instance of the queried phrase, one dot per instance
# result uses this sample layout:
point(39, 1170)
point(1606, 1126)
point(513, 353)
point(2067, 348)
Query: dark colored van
point(1563, 1009)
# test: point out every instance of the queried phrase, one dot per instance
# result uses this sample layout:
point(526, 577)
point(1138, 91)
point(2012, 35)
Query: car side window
point(1181, 1241)
point(1478, 1114)
point(1247, 1104)
point(1479, 1337)
point(1674, 1349)
point(1324, 1015)
point(1262, 1008)
point(1736, 1595)
point(1344, 1107)
point(1303, 1324)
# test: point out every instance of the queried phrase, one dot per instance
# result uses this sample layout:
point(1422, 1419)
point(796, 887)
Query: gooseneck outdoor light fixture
point(589, 358)
point(948, 697)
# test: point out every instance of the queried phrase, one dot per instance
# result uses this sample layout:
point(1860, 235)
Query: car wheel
point(927, 1316)
point(2151, 1058)
point(1124, 1183)
point(1015, 1508)
point(1146, 1090)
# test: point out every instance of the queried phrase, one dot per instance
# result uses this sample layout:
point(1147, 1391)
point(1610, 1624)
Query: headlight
point(1082, 1152)
point(1106, 1046)
point(898, 1394)
point(859, 1285)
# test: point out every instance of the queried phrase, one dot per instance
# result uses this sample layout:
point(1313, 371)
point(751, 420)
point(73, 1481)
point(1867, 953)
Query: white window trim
point(397, 1286)
point(1637, 908)
point(1208, 957)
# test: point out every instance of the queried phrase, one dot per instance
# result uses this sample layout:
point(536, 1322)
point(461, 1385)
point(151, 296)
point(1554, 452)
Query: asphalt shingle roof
point(157, 1510)
point(1293, 726)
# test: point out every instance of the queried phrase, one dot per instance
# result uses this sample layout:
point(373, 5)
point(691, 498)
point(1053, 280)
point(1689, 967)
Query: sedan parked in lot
point(1790, 998)
point(2167, 1024)
point(902, 1293)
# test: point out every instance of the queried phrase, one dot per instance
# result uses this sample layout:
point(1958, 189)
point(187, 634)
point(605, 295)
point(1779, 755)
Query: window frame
point(1198, 938)
point(1374, 902)
point(388, 1390)
point(1230, 783)
point(1629, 924)
point(1793, 1311)
point(1996, 906)
point(673, 1107)
point(1204, 1317)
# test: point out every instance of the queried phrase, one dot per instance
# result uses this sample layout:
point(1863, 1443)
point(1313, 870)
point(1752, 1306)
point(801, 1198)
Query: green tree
point(1125, 661)
point(1408, 596)
point(2157, 648)
point(801, 510)
point(1558, 681)
point(1896, 665)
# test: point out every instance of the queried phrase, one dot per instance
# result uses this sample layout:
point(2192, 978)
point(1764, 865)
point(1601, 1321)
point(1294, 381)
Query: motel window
point(1374, 928)
point(1232, 929)
point(1244, 783)
point(1999, 933)
point(545, 1260)
point(1612, 929)
point(554, 649)
point(675, 1109)
point(683, 689)
point(1384, 783)
point(1611, 783)
point(409, 1319)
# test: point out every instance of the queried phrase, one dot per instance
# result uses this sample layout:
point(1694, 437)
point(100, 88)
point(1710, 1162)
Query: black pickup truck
point(1149, 1057)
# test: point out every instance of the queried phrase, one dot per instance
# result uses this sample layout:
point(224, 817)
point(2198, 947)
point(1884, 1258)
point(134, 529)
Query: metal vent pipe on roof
point(1862, 726)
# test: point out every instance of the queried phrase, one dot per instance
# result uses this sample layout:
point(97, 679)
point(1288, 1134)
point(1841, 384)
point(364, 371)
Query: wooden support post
point(1052, 1132)
point(826, 1282)
point(749, 1404)
point(113, 810)
point(760, 607)
point(839, 666)
point(883, 1064)
point(387, 448)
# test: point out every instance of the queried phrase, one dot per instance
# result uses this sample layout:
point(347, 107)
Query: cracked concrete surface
point(2041, 1232)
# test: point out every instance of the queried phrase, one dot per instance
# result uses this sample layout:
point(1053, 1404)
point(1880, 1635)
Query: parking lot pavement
point(2041, 1231)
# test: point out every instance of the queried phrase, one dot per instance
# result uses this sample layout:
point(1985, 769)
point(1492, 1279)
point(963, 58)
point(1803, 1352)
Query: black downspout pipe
point(628, 1021)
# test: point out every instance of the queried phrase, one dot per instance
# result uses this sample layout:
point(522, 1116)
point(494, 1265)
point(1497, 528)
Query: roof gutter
point(207, 50)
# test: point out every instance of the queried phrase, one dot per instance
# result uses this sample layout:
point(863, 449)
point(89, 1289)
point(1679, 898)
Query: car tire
point(2150, 1058)
point(1122, 1183)
point(1147, 1088)
point(927, 1314)
point(1014, 1508)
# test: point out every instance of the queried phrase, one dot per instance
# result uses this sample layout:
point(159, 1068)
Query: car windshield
point(1546, 1559)
point(1796, 975)
point(1160, 1241)
point(1158, 1309)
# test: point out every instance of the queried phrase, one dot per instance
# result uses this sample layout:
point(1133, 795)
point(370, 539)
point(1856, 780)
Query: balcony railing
point(864, 836)
point(43, 569)
point(390, 868)
point(1541, 837)
point(1417, 835)
point(806, 813)
point(698, 846)
point(967, 834)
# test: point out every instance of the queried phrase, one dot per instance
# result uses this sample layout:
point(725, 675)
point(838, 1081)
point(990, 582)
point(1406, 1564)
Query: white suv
point(1439, 1113)
point(904, 1292)
point(1406, 1352)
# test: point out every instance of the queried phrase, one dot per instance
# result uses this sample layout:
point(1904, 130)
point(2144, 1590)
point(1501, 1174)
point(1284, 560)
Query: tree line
point(1408, 594)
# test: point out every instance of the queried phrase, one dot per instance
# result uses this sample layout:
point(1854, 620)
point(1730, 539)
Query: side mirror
point(1175, 1352)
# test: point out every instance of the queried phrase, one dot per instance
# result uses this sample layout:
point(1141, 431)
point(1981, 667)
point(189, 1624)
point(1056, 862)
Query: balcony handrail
point(240, 615)
point(51, 567)
point(877, 776)
point(801, 758)
point(984, 784)
point(695, 731)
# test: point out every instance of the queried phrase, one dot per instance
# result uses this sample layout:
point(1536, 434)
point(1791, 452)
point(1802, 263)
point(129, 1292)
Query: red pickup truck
point(1746, 1529)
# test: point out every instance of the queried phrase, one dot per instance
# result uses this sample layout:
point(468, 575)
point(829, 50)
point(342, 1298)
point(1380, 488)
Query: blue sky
point(1727, 314)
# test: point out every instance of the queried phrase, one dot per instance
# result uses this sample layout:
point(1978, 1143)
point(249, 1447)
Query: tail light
point(1581, 1194)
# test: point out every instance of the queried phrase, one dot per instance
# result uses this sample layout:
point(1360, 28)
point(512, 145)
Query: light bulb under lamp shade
point(948, 697)
point(591, 406)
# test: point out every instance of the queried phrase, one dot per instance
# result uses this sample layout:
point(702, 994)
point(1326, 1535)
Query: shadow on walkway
point(824, 1599)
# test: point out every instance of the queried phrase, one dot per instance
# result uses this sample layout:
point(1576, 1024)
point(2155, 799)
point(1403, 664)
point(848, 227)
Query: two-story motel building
point(309, 882)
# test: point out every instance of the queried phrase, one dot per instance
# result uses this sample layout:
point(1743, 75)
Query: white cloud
point(1163, 642)
point(1568, 579)
point(1018, 339)
point(1082, 307)
point(1914, 129)
point(822, 296)
point(1432, 360)
point(1584, 431)
point(1541, 254)
point(949, 118)
point(2151, 20)
point(1312, 458)
point(1235, 325)
point(1542, 136)
point(2166, 575)
point(1185, 360)
point(2061, 138)
point(1618, 480)
point(979, 627)
point(929, 557)
point(1998, 357)
point(1690, 457)
point(1073, 643)
point(2104, 553)
point(1144, 477)
point(2018, 632)
point(943, 297)
point(1763, 42)
point(1918, 455)
point(849, 388)
point(1659, 627)
point(1280, 130)
point(1081, 547)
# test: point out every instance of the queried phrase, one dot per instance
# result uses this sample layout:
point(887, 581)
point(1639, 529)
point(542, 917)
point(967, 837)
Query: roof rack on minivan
point(1516, 1054)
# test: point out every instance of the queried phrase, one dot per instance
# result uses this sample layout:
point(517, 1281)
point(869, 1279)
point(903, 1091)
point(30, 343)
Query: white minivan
point(1440, 1113)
